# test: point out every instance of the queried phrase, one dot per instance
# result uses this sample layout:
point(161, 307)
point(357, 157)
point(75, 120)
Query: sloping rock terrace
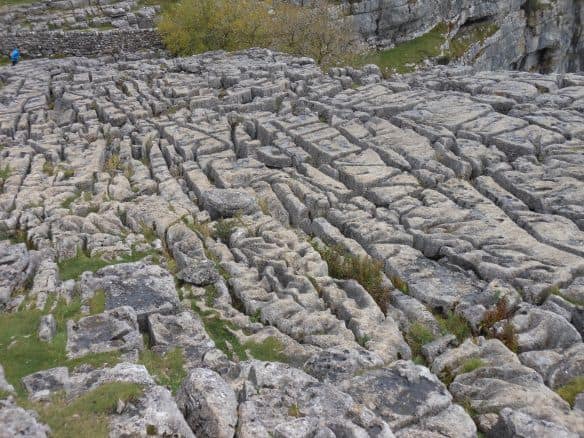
point(467, 188)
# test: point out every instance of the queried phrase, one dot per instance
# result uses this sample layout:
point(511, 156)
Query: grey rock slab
point(226, 203)
point(405, 394)
point(15, 421)
point(112, 330)
point(208, 403)
point(145, 288)
point(154, 413)
point(52, 380)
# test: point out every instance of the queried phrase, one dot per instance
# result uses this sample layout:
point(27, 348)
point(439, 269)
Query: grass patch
point(22, 353)
point(68, 201)
point(472, 364)
point(210, 295)
point(269, 350)
point(469, 36)
point(5, 172)
point(220, 331)
point(417, 336)
point(224, 228)
point(294, 411)
point(569, 391)
point(48, 168)
point(97, 302)
point(168, 369)
point(406, 56)
point(454, 324)
point(87, 414)
point(365, 270)
point(72, 268)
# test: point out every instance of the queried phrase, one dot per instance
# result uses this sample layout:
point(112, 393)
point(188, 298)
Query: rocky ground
point(247, 246)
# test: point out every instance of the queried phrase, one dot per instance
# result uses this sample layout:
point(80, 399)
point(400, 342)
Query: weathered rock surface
point(458, 196)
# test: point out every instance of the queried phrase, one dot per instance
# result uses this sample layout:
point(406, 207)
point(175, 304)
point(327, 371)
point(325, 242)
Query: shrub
point(196, 26)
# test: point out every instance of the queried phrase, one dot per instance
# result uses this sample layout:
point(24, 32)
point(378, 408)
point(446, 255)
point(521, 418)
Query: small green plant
point(294, 411)
point(362, 340)
point(224, 228)
point(97, 302)
point(210, 295)
point(168, 369)
point(256, 317)
point(69, 200)
point(269, 350)
point(418, 335)
point(48, 168)
point(454, 324)
point(112, 164)
point(365, 270)
point(570, 391)
point(400, 284)
point(5, 172)
point(148, 233)
point(472, 364)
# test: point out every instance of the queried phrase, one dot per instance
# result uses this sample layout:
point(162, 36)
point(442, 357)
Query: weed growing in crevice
point(168, 368)
point(365, 270)
point(417, 336)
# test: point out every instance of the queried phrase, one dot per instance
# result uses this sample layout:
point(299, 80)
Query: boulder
point(208, 404)
point(226, 203)
point(113, 330)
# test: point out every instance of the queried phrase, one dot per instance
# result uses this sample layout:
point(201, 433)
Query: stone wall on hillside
point(81, 43)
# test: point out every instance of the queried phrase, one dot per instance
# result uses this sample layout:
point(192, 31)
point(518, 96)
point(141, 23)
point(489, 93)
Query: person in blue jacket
point(15, 56)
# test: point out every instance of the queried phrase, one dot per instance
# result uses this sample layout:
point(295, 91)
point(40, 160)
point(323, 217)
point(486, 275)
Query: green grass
point(210, 295)
point(468, 36)
point(365, 270)
point(404, 57)
point(167, 369)
point(69, 200)
point(224, 228)
point(569, 391)
point(454, 324)
point(269, 350)
point(22, 353)
point(97, 302)
point(5, 172)
point(86, 415)
point(72, 268)
point(472, 364)
point(417, 336)
point(220, 331)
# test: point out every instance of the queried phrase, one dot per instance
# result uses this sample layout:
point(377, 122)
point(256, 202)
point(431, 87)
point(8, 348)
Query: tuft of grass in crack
point(221, 332)
point(97, 302)
point(472, 364)
point(417, 336)
point(455, 324)
point(570, 391)
point(88, 414)
point(365, 270)
point(168, 369)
